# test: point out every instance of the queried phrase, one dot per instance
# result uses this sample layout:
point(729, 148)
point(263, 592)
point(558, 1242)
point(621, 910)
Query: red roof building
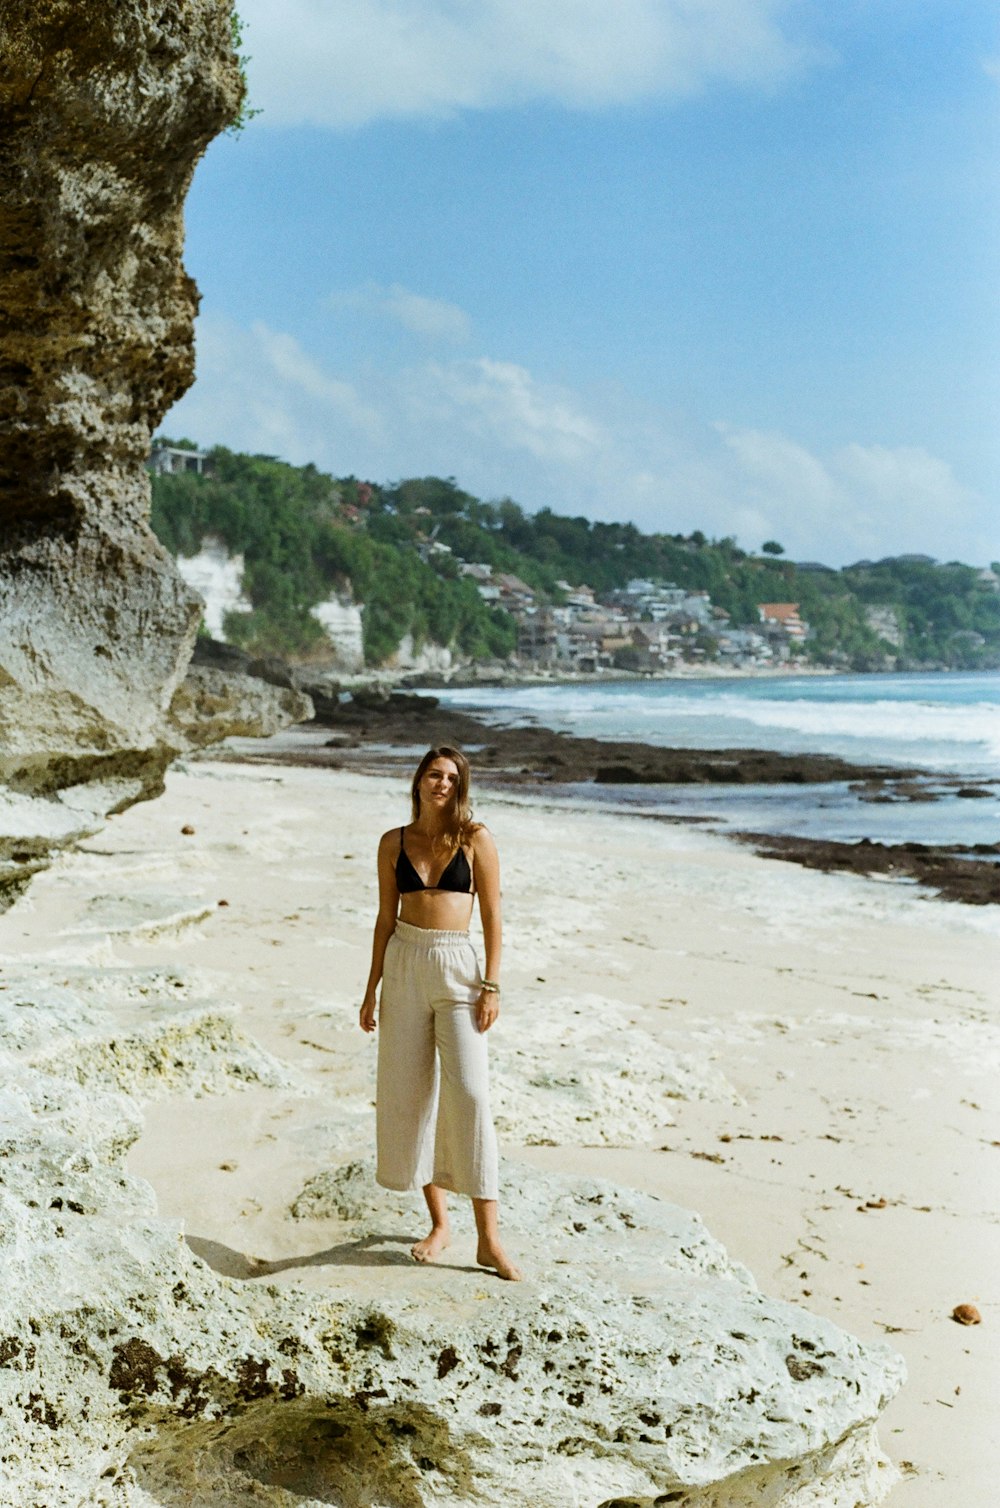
point(783, 615)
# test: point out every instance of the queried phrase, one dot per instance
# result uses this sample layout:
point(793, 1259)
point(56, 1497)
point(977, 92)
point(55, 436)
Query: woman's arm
point(487, 864)
point(385, 925)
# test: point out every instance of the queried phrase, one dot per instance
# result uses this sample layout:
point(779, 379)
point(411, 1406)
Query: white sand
point(842, 1034)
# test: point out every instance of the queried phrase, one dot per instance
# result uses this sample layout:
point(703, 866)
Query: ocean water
point(946, 725)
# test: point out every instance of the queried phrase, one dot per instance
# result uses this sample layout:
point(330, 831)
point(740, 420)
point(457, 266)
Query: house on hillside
point(655, 645)
point(783, 615)
point(585, 648)
point(650, 600)
point(175, 460)
point(515, 595)
point(782, 627)
point(698, 605)
point(539, 639)
point(744, 647)
point(579, 598)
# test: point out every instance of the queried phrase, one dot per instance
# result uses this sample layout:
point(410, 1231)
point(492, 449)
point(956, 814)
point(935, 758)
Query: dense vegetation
point(294, 527)
point(304, 535)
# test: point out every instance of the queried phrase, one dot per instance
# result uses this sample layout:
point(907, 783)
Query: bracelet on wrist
point(491, 986)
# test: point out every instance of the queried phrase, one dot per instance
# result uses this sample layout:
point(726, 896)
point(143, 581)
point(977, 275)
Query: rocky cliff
point(104, 113)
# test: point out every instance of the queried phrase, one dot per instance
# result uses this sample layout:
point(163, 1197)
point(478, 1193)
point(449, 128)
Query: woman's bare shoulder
point(389, 839)
point(481, 837)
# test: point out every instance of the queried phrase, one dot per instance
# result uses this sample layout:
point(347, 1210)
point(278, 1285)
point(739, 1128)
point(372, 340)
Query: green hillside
point(305, 535)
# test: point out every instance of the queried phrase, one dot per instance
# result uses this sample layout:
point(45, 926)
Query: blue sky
point(717, 264)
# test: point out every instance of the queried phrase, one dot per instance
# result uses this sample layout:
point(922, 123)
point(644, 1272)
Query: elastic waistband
point(429, 937)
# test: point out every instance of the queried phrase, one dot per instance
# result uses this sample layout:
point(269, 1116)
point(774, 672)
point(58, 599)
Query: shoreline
point(322, 673)
point(469, 678)
point(379, 734)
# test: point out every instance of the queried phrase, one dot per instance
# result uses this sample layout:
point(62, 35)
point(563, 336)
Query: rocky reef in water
point(104, 113)
point(378, 729)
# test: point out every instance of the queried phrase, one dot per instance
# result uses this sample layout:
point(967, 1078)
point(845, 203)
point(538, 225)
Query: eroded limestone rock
point(667, 1374)
point(637, 1363)
point(146, 1045)
point(104, 112)
point(210, 705)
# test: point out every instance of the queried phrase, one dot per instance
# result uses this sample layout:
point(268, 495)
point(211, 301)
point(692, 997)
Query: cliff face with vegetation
point(397, 549)
point(304, 536)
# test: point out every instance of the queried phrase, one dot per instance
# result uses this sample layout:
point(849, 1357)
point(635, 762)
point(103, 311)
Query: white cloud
point(773, 463)
point(346, 63)
point(501, 402)
point(430, 318)
point(860, 500)
point(499, 429)
point(258, 390)
point(907, 484)
point(433, 317)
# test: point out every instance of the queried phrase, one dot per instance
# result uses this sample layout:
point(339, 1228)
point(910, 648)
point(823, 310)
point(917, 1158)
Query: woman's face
point(439, 784)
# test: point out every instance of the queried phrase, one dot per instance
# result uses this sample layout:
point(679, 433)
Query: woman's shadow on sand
point(365, 1252)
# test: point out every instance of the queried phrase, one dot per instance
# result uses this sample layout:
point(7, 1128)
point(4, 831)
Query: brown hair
point(462, 827)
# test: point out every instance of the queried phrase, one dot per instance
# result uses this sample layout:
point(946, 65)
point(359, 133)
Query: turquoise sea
point(946, 724)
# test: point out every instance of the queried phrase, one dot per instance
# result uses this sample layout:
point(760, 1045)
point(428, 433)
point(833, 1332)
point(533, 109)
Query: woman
point(436, 1007)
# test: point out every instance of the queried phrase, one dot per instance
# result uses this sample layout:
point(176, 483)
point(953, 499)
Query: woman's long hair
point(460, 826)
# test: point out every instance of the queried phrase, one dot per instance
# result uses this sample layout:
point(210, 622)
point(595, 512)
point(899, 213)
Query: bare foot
point(428, 1249)
point(497, 1258)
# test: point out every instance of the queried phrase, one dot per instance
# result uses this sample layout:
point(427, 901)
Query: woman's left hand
point(487, 1009)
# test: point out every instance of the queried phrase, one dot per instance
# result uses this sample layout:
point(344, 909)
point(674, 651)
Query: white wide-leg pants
point(433, 1121)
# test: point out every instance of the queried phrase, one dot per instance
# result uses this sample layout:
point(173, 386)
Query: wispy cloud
point(860, 500)
point(500, 429)
point(430, 318)
point(504, 405)
point(258, 390)
point(345, 64)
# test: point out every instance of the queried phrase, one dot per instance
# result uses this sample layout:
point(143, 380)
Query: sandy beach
point(808, 1060)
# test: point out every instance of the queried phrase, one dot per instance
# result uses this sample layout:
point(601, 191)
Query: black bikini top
point(456, 875)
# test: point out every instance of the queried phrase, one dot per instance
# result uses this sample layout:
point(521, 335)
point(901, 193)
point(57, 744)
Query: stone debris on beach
point(966, 1314)
point(127, 1030)
point(960, 872)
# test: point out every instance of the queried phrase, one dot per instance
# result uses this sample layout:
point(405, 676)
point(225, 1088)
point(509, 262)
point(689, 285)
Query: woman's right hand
point(367, 1016)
